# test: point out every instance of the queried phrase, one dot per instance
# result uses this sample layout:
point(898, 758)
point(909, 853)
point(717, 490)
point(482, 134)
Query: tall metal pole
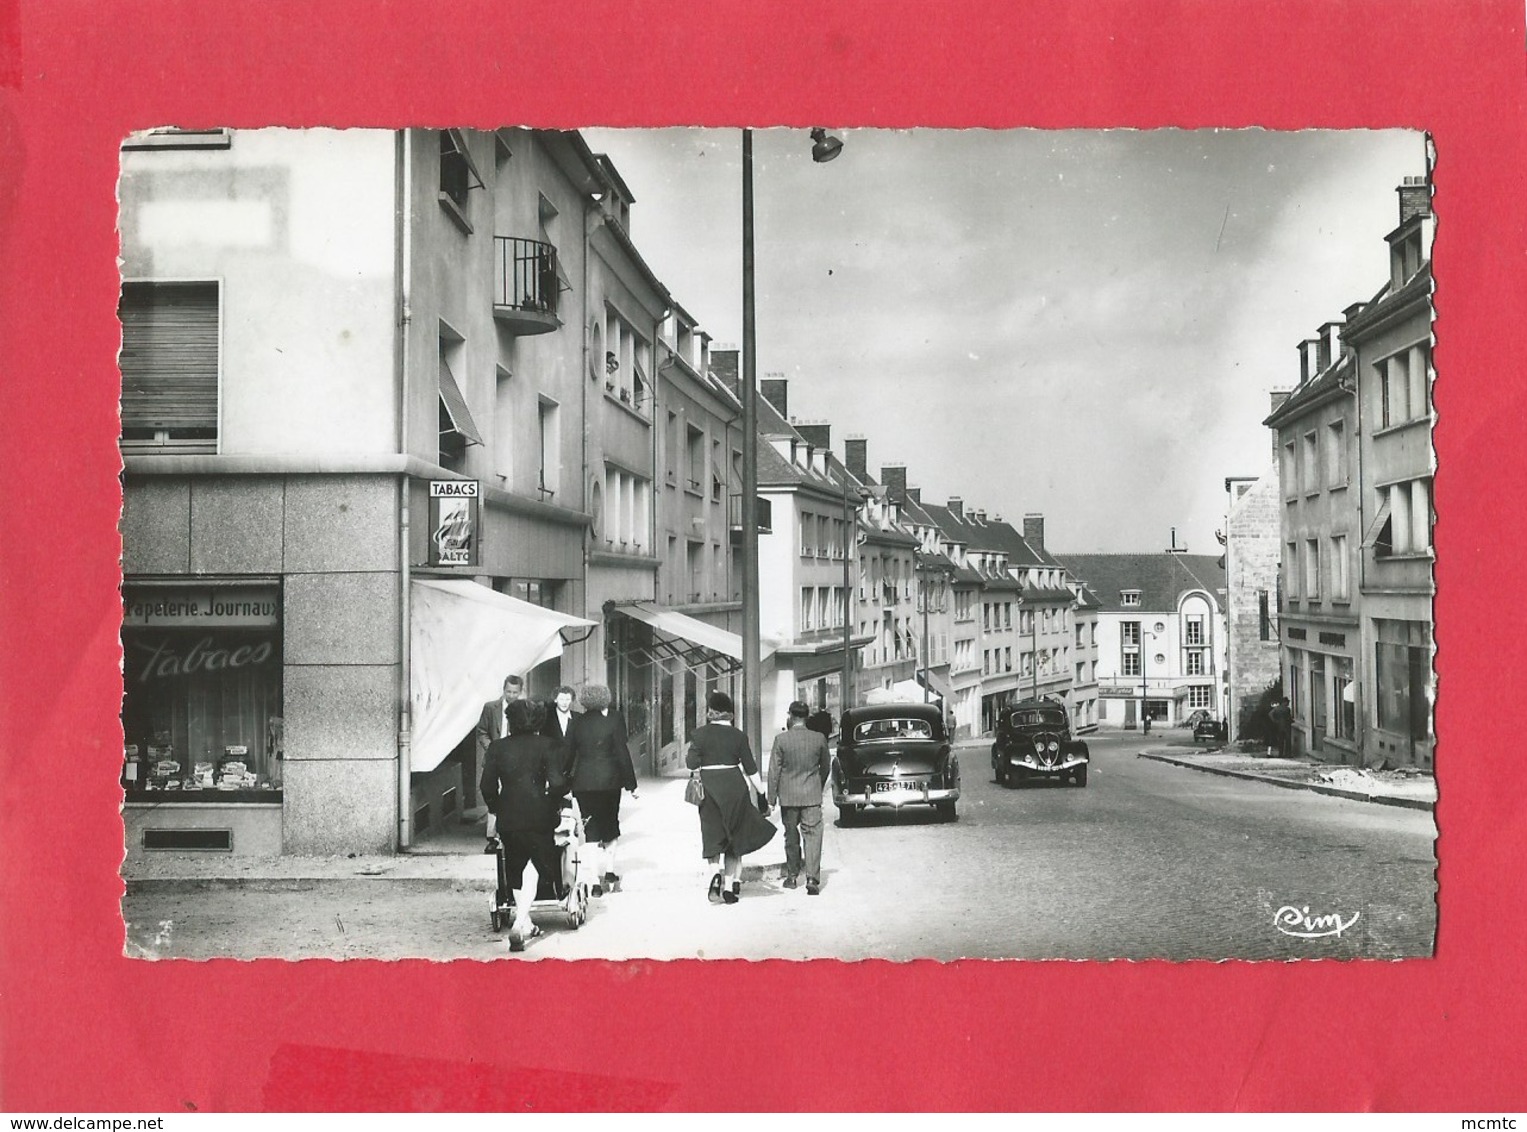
point(850, 539)
point(752, 678)
point(922, 587)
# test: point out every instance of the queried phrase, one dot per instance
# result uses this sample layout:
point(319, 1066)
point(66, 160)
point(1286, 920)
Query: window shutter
point(169, 355)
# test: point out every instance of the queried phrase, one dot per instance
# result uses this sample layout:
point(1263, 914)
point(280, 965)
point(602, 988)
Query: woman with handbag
point(732, 821)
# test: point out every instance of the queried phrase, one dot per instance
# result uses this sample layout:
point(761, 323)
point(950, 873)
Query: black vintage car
point(1206, 727)
point(1034, 741)
point(894, 755)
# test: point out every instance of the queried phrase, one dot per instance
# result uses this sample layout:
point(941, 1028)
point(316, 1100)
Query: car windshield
point(877, 729)
point(1038, 718)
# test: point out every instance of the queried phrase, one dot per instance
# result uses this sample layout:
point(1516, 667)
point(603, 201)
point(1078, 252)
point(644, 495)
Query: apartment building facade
point(318, 326)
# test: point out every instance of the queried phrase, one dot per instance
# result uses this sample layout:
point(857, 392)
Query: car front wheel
point(1079, 776)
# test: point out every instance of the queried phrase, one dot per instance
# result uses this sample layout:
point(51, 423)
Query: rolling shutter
point(169, 355)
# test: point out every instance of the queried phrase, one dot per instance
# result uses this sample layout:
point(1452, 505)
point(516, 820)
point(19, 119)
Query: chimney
point(1174, 548)
point(723, 363)
point(816, 434)
point(775, 391)
point(1349, 313)
point(856, 456)
point(1279, 396)
point(915, 494)
point(894, 476)
point(980, 516)
point(1034, 530)
point(1415, 198)
point(956, 506)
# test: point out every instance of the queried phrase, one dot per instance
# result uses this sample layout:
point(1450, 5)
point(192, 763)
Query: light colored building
point(1160, 637)
point(1253, 540)
point(1084, 659)
point(1317, 475)
point(1391, 338)
point(318, 325)
point(803, 603)
point(687, 638)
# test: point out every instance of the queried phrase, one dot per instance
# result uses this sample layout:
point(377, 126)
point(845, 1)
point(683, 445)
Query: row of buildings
point(1329, 551)
point(406, 411)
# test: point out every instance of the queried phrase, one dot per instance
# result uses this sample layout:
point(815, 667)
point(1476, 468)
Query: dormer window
point(1129, 597)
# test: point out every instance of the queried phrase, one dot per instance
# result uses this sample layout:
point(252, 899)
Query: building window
point(1193, 662)
point(1311, 469)
point(717, 488)
point(1344, 698)
point(457, 429)
point(1407, 527)
point(1007, 615)
point(1340, 578)
point(808, 531)
point(1264, 616)
point(1200, 696)
point(808, 609)
point(1403, 385)
point(695, 458)
point(1193, 630)
point(169, 360)
point(1295, 699)
point(1007, 660)
point(1290, 471)
point(1129, 597)
point(986, 662)
point(201, 677)
point(458, 176)
point(1291, 567)
point(1336, 454)
point(550, 454)
point(1402, 673)
point(1312, 567)
point(630, 510)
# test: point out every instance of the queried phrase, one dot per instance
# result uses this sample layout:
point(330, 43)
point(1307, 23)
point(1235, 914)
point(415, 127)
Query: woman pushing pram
point(522, 783)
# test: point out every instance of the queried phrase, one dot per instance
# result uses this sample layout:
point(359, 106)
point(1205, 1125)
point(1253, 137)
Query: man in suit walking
point(523, 785)
point(491, 726)
point(799, 765)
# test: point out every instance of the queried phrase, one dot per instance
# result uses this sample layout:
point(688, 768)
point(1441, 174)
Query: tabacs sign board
point(454, 522)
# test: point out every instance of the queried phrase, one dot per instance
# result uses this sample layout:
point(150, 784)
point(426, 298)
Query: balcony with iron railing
point(526, 285)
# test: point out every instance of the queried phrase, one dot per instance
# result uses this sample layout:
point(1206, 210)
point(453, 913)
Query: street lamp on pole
point(824, 148)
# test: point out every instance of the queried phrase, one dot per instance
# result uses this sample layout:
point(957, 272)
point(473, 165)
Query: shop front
point(665, 665)
point(202, 716)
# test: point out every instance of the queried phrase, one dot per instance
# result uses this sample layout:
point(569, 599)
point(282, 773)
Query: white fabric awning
point(463, 640)
point(689, 638)
point(936, 682)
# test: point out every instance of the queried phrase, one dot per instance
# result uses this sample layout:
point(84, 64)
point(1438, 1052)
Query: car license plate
point(898, 788)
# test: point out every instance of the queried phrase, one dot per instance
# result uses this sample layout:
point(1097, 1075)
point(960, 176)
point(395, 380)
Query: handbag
point(694, 791)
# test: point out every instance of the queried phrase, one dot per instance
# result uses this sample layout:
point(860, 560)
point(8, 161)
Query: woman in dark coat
point(730, 822)
point(598, 767)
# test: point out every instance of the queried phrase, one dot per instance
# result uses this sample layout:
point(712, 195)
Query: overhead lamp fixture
point(824, 147)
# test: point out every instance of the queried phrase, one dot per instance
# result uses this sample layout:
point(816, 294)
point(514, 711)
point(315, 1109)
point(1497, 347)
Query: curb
point(142, 886)
point(1318, 788)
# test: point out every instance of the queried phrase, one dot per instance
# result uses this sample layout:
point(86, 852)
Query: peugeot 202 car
point(1034, 741)
point(894, 755)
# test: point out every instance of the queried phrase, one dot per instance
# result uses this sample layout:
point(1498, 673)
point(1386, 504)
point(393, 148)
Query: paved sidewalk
point(1416, 791)
point(660, 833)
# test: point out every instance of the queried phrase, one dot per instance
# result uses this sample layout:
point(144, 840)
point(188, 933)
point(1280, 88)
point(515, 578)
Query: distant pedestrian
point(490, 726)
point(523, 785)
point(1281, 717)
point(1146, 716)
point(731, 824)
point(799, 765)
point(598, 767)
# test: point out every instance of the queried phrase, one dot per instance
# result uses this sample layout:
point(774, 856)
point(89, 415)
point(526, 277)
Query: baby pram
point(568, 893)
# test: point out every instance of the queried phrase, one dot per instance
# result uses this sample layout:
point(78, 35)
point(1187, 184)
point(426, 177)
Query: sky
point(1082, 324)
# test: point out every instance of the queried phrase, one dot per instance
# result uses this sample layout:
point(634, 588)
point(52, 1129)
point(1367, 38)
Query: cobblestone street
point(1148, 861)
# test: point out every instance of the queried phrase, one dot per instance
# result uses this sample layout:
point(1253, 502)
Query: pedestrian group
point(534, 755)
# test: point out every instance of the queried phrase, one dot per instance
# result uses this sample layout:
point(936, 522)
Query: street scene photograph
point(777, 543)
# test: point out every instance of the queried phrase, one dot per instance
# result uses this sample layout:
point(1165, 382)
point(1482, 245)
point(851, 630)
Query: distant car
point(1210, 729)
point(1034, 740)
point(894, 755)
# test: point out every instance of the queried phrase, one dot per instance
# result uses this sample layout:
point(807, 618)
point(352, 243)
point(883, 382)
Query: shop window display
point(201, 709)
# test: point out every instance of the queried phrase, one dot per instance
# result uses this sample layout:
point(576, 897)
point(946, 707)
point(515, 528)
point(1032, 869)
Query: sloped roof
point(1334, 380)
point(1161, 578)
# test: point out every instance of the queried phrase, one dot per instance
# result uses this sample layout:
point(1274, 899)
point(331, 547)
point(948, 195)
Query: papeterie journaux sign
point(454, 520)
